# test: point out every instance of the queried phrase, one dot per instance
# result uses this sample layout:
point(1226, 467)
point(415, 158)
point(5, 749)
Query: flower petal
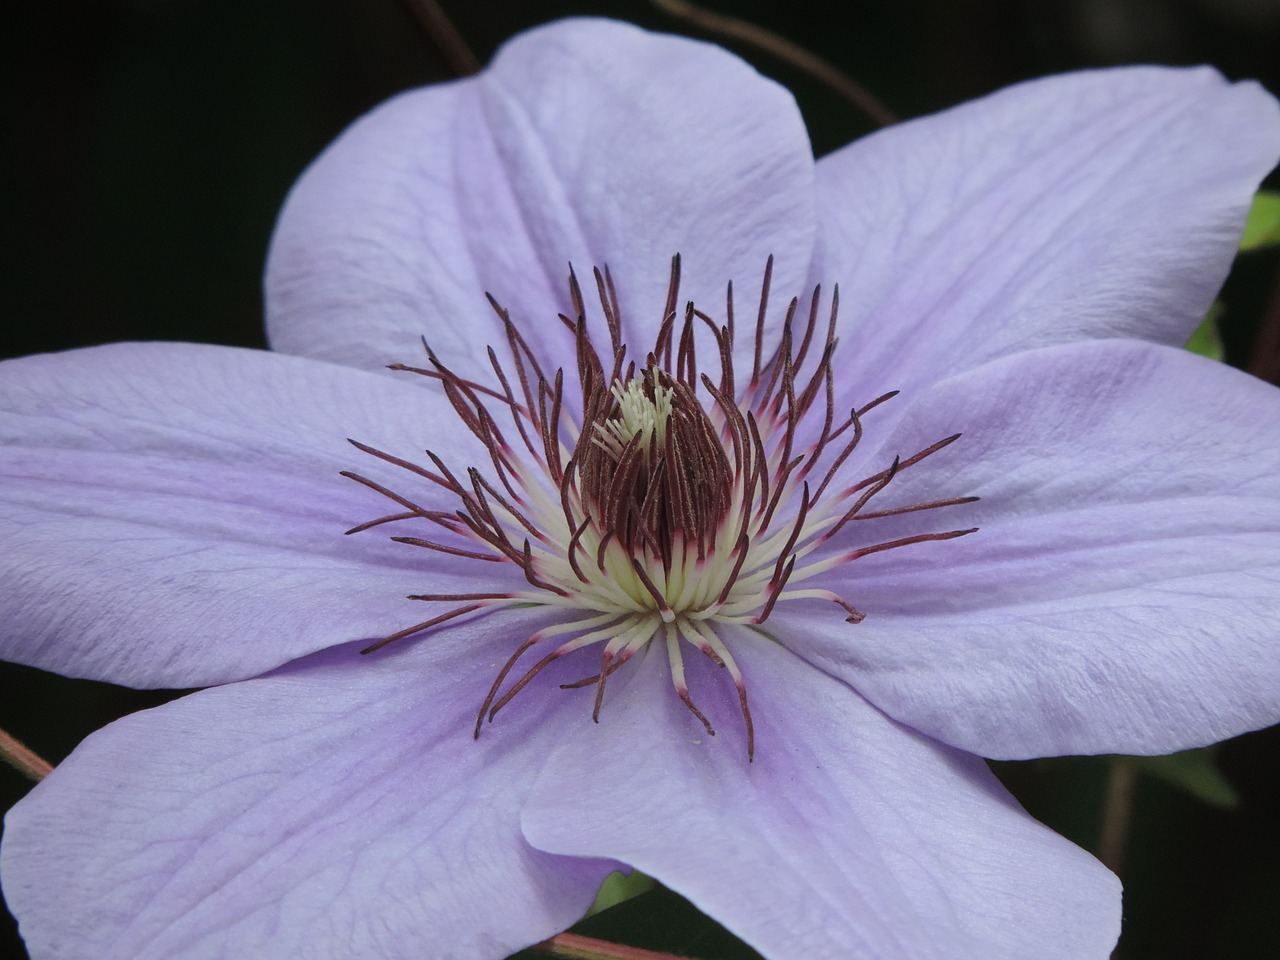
point(586, 141)
point(1123, 589)
point(848, 836)
point(173, 514)
point(338, 808)
point(1099, 204)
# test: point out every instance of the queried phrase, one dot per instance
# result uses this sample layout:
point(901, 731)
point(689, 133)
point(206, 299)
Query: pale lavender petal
point(849, 836)
point(586, 141)
point(1100, 204)
point(1123, 591)
point(174, 515)
point(338, 808)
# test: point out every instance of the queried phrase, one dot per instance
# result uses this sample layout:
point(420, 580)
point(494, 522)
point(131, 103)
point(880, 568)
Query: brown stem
point(1117, 811)
point(440, 30)
point(23, 758)
point(785, 50)
point(1265, 362)
point(572, 946)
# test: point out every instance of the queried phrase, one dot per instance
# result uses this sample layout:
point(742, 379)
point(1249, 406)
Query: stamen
point(458, 596)
point(575, 543)
point(906, 541)
point(497, 682)
point(445, 548)
point(563, 650)
point(389, 518)
point(885, 479)
point(658, 598)
point(909, 462)
point(594, 678)
point(533, 577)
point(727, 660)
point(421, 627)
point(764, 306)
point(416, 510)
point(775, 590)
point(470, 384)
point(740, 550)
point(676, 662)
point(701, 506)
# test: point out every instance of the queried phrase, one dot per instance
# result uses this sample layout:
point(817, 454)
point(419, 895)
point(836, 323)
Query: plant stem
point(1117, 813)
point(572, 946)
point(1265, 362)
point(440, 30)
point(821, 70)
point(23, 758)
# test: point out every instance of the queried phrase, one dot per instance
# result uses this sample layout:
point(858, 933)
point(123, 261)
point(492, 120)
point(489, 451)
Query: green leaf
point(1195, 772)
point(1206, 341)
point(1262, 229)
point(619, 886)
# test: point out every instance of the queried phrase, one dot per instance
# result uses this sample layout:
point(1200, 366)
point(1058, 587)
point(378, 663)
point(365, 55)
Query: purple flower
point(1021, 270)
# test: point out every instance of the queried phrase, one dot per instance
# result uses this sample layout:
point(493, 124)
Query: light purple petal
point(849, 836)
point(1123, 591)
point(338, 808)
point(586, 141)
point(173, 514)
point(1101, 204)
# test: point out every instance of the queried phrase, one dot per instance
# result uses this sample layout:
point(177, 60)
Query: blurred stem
point(1117, 812)
point(440, 30)
point(1265, 362)
point(571, 946)
point(22, 758)
point(821, 70)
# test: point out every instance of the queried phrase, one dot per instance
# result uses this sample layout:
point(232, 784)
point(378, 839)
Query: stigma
point(668, 500)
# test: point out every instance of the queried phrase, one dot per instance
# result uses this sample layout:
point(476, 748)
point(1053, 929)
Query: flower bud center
point(654, 470)
point(640, 416)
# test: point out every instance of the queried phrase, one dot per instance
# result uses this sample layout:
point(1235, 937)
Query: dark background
point(147, 145)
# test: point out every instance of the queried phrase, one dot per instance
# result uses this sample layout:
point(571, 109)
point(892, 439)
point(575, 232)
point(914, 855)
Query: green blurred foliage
point(1207, 340)
point(618, 887)
point(1195, 772)
point(1262, 228)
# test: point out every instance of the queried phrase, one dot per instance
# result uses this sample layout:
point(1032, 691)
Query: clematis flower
point(735, 530)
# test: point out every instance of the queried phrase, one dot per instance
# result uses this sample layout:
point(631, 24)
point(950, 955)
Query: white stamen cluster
point(639, 417)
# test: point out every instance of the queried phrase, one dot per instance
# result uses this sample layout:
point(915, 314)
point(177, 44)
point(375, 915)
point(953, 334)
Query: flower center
point(673, 505)
point(653, 469)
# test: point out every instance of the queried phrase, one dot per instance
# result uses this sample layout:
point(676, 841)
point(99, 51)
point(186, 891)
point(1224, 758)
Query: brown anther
point(655, 482)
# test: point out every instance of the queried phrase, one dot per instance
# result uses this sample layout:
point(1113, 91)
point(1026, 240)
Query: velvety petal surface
point(337, 808)
point(848, 836)
point(1096, 204)
point(173, 514)
point(1123, 591)
point(586, 141)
